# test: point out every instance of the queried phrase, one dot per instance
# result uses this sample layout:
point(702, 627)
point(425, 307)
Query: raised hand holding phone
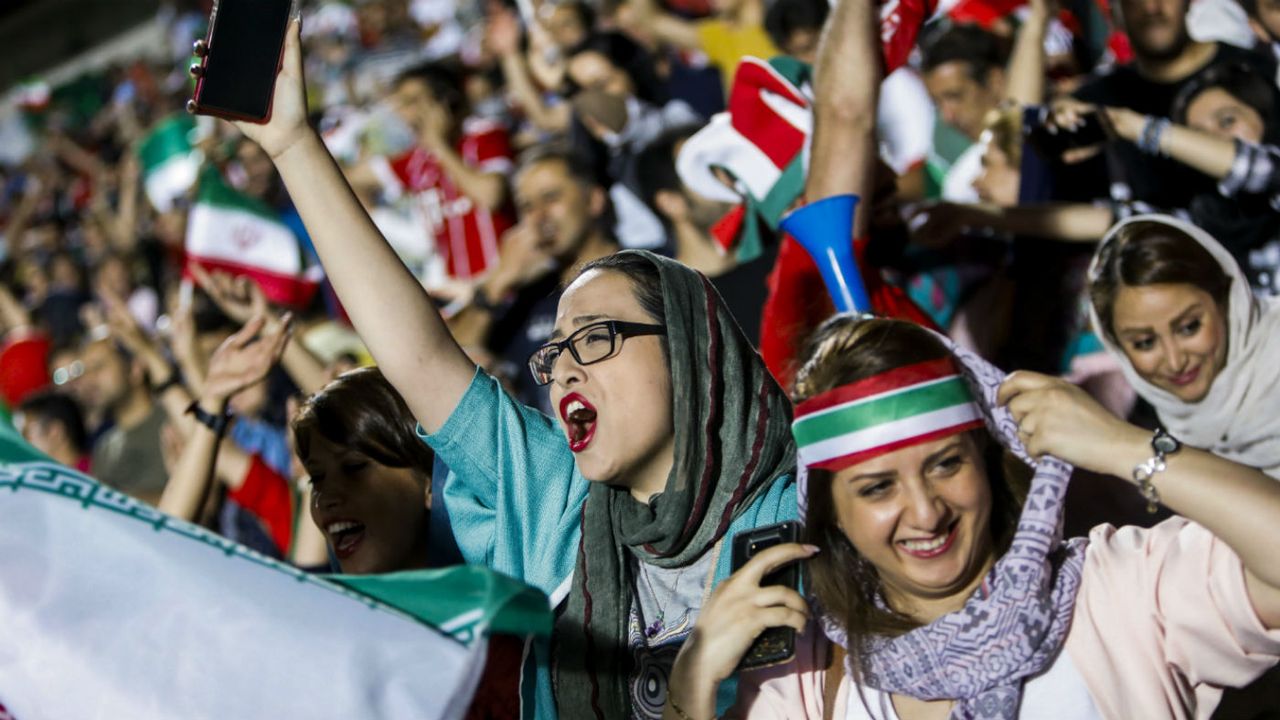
point(286, 122)
point(236, 73)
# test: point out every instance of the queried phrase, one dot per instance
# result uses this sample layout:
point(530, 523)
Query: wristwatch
point(216, 423)
point(1163, 445)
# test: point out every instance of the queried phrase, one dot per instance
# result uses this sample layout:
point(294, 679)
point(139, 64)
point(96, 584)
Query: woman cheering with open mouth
point(670, 435)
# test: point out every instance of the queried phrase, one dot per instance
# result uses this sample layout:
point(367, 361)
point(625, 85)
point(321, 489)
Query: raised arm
point(503, 35)
point(847, 78)
point(1210, 154)
point(241, 299)
point(242, 360)
point(1026, 74)
point(487, 189)
point(389, 308)
point(1236, 503)
point(939, 224)
point(646, 18)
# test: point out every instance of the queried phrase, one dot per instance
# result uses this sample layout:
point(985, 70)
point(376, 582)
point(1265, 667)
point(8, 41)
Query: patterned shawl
point(732, 440)
point(1015, 624)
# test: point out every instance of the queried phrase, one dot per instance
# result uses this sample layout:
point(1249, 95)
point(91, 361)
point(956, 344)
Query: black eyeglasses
point(589, 344)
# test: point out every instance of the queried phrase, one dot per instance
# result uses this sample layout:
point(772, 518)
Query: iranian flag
point(113, 610)
point(230, 231)
point(170, 162)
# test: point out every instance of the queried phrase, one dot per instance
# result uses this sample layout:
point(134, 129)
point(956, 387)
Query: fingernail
point(813, 549)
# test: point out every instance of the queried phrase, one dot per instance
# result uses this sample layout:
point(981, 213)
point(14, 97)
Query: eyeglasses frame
point(617, 329)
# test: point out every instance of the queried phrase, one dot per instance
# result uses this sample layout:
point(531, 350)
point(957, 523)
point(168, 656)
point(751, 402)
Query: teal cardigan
point(514, 497)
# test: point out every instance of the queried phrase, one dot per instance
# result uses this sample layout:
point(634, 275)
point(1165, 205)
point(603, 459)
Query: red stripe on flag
point(895, 379)
point(289, 290)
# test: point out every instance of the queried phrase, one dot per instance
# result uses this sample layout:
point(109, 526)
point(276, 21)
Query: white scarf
point(1239, 418)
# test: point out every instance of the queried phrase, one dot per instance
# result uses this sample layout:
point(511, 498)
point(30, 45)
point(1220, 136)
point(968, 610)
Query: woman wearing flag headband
point(943, 601)
point(934, 597)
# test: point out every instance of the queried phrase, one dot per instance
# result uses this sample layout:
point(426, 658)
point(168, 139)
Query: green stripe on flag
point(216, 193)
point(171, 138)
point(460, 600)
point(864, 414)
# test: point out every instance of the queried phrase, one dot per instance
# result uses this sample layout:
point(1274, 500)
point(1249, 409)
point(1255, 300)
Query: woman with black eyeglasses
point(669, 436)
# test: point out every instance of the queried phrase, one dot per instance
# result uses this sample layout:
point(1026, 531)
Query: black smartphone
point(778, 644)
point(241, 55)
point(1051, 141)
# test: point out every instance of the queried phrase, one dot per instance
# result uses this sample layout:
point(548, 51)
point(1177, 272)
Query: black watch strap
point(174, 379)
point(481, 301)
point(216, 423)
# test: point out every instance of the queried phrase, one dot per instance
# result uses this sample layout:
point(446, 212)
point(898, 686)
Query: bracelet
point(1162, 444)
point(216, 423)
point(1152, 132)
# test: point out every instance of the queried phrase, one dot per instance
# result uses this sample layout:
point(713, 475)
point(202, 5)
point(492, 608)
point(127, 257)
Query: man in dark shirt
point(1165, 60)
point(563, 216)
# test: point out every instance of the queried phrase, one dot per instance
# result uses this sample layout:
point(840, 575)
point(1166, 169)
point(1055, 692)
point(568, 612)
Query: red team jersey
point(466, 234)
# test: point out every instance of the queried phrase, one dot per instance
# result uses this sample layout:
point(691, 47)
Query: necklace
point(656, 627)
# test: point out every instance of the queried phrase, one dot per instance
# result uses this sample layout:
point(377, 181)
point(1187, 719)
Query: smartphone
point(778, 644)
point(240, 57)
point(1051, 141)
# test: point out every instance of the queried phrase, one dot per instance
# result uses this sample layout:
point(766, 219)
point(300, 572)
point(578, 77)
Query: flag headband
point(905, 406)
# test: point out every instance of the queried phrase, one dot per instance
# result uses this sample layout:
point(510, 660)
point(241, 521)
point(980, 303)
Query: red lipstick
point(579, 418)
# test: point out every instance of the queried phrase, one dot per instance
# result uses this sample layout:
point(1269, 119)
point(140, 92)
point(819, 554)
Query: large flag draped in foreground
point(109, 609)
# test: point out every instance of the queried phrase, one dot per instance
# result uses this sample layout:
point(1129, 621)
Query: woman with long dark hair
point(935, 597)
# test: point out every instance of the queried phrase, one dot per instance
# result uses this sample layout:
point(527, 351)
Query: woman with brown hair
point(370, 475)
point(1174, 307)
point(932, 600)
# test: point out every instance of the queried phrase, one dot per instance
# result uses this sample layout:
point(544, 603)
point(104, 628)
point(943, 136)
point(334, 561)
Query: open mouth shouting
point(345, 536)
point(931, 547)
point(579, 417)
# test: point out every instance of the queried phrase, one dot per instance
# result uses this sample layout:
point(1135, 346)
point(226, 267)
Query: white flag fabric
point(233, 232)
point(170, 161)
point(113, 610)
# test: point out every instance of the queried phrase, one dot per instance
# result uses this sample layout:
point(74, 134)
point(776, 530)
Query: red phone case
point(195, 107)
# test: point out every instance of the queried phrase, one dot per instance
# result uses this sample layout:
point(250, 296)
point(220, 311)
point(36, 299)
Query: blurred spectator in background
point(963, 69)
point(795, 26)
point(1166, 60)
point(456, 172)
point(563, 224)
point(127, 455)
point(53, 423)
point(735, 29)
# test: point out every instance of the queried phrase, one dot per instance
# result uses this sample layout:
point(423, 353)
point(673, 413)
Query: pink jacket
point(1162, 624)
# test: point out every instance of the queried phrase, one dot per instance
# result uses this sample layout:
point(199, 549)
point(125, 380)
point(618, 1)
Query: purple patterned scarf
point(1014, 625)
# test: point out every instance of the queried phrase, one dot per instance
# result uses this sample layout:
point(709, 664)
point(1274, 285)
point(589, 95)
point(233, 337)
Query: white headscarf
point(1239, 418)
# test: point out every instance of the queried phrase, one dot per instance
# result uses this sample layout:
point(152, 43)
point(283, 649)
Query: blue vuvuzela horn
point(825, 230)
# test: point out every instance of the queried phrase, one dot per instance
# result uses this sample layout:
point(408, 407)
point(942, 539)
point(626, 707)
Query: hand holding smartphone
point(240, 57)
point(777, 644)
